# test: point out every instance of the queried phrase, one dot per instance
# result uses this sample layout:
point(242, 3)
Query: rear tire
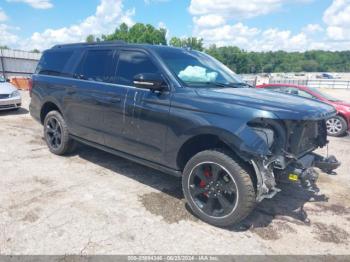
point(218, 190)
point(336, 126)
point(57, 135)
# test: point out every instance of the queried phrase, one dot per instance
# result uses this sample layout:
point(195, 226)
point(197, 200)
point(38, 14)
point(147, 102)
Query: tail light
point(30, 86)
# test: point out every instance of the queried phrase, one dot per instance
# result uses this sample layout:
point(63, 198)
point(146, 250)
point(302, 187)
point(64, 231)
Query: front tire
point(218, 190)
point(336, 126)
point(57, 135)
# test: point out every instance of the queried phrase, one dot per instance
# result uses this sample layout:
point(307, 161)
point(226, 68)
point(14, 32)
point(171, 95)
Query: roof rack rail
point(116, 42)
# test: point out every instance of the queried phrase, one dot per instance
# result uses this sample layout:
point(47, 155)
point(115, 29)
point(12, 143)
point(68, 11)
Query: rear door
point(92, 93)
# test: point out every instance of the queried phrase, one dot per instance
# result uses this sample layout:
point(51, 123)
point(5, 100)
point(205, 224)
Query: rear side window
point(53, 63)
point(98, 65)
point(132, 63)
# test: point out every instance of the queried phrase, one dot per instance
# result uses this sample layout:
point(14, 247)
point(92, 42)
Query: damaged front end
point(288, 153)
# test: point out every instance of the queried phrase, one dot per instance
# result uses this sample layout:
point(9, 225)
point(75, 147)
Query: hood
point(284, 106)
point(6, 88)
point(341, 103)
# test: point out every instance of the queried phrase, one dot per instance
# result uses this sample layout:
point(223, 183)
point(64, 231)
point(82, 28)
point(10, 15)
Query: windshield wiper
point(240, 85)
point(220, 84)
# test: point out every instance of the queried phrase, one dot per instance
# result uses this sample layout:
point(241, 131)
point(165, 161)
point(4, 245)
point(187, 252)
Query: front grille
point(304, 137)
point(4, 96)
point(309, 136)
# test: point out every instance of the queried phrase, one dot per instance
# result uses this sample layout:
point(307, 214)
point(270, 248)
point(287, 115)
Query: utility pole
point(2, 63)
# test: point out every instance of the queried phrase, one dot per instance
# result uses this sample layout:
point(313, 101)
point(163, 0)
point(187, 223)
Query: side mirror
point(154, 82)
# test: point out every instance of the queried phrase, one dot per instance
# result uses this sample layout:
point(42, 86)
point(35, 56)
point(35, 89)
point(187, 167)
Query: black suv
point(184, 113)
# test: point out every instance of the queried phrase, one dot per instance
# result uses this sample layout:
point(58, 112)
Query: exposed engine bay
point(291, 145)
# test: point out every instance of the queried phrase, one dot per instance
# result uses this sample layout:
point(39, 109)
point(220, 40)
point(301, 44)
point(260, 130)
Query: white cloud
point(234, 9)
point(209, 20)
point(3, 16)
point(109, 14)
point(219, 22)
point(252, 38)
point(7, 37)
point(337, 19)
point(38, 4)
point(312, 28)
point(228, 34)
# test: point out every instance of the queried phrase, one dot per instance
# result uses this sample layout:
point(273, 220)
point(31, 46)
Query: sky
point(254, 25)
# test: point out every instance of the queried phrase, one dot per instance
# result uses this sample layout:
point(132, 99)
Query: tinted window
point(305, 94)
point(53, 63)
point(98, 65)
point(132, 63)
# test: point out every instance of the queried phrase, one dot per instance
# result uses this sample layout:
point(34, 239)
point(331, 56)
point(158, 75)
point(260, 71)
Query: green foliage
point(267, 62)
point(90, 39)
point(4, 47)
point(138, 33)
point(189, 42)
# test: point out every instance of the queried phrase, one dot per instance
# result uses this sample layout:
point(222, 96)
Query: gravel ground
point(92, 202)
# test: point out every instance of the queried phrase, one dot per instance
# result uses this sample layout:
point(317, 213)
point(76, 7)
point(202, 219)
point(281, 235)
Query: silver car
point(10, 97)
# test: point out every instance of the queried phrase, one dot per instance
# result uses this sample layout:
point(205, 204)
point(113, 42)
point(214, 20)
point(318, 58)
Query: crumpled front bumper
point(303, 169)
point(300, 170)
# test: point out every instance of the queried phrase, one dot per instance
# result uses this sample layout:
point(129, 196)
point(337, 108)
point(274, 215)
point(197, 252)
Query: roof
point(118, 44)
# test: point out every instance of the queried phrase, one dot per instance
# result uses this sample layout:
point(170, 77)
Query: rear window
point(53, 63)
point(98, 65)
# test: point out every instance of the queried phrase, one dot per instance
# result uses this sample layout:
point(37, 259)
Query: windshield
point(2, 79)
point(324, 95)
point(197, 69)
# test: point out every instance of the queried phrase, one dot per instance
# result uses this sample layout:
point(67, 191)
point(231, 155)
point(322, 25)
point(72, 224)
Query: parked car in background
point(10, 97)
point(328, 76)
point(338, 125)
point(184, 113)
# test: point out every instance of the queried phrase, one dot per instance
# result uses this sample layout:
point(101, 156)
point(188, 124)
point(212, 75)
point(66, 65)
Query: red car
point(336, 126)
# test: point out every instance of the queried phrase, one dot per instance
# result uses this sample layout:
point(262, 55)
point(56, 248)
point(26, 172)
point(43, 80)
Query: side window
point(98, 65)
point(292, 91)
point(132, 63)
point(305, 94)
point(53, 63)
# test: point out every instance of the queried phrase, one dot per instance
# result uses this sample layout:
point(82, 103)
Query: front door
point(146, 112)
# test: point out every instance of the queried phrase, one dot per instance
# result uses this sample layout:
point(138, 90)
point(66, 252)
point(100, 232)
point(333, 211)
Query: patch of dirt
point(37, 140)
point(43, 181)
point(273, 231)
point(267, 233)
point(31, 216)
point(44, 197)
point(330, 233)
point(170, 208)
point(334, 208)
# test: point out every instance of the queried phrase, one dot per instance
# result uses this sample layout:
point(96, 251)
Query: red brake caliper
point(207, 174)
